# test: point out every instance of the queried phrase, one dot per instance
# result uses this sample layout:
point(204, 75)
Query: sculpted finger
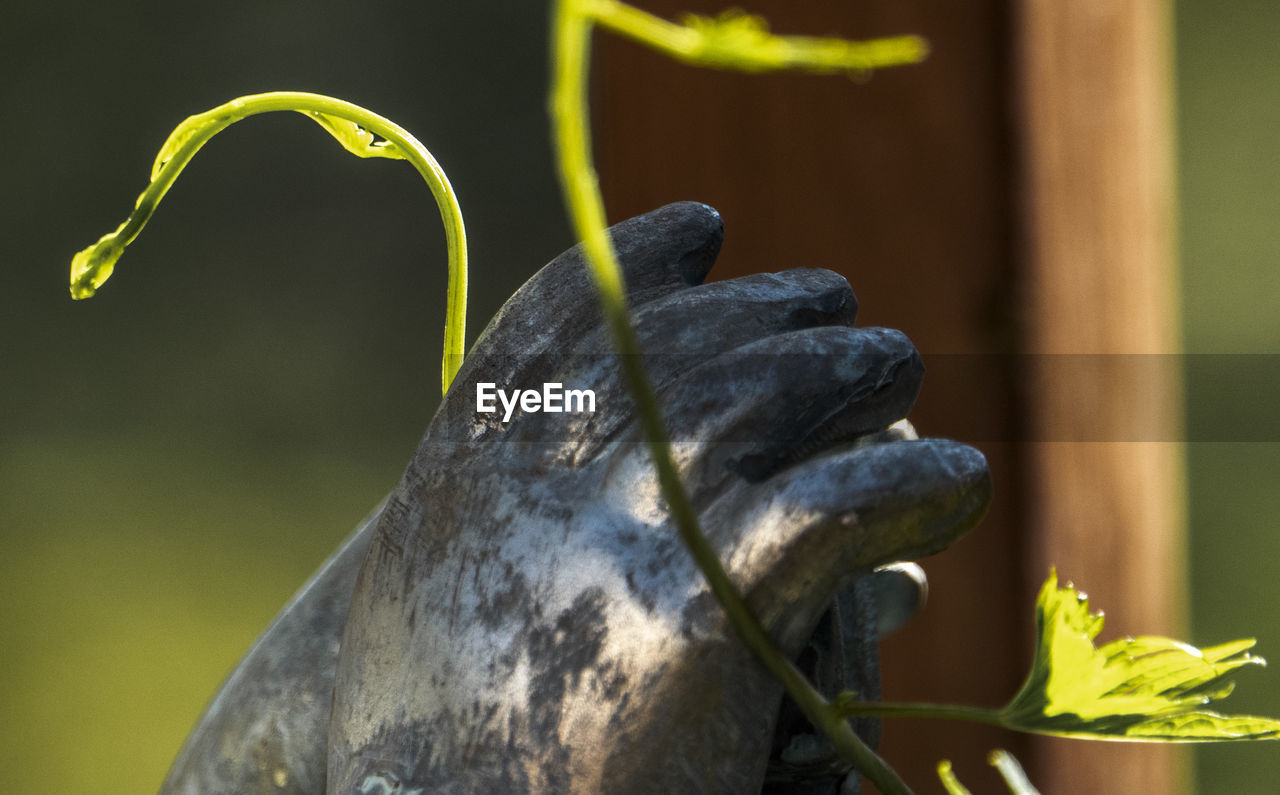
point(766, 406)
point(669, 249)
point(721, 316)
point(899, 591)
point(680, 332)
point(821, 521)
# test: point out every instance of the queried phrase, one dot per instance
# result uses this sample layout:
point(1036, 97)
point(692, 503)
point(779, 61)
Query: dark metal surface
point(527, 619)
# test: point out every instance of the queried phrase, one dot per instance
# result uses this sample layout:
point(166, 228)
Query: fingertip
point(671, 247)
point(900, 591)
point(879, 504)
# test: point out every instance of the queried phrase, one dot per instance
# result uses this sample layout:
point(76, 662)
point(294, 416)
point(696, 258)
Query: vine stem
point(93, 266)
point(572, 29)
point(895, 709)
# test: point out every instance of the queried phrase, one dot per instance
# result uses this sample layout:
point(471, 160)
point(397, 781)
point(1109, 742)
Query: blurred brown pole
point(908, 185)
point(1095, 124)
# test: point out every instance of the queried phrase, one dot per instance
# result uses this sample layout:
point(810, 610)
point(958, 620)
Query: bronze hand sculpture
point(524, 616)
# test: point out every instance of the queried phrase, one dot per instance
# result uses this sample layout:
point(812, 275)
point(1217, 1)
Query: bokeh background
point(1228, 95)
point(177, 454)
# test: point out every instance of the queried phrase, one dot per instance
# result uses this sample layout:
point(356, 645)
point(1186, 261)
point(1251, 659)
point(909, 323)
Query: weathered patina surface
point(526, 618)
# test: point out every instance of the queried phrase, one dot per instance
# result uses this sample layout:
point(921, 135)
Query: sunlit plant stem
point(740, 42)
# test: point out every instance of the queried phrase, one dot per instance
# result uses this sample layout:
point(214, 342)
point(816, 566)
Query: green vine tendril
point(361, 132)
point(731, 41)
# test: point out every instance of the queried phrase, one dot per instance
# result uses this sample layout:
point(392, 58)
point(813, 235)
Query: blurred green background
point(1228, 79)
point(180, 452)
point(177, 454)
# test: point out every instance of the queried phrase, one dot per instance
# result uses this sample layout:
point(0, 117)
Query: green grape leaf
point(1144, 688)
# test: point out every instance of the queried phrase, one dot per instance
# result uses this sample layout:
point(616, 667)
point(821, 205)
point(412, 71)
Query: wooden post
point(934, 190)
point(1095, 125)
